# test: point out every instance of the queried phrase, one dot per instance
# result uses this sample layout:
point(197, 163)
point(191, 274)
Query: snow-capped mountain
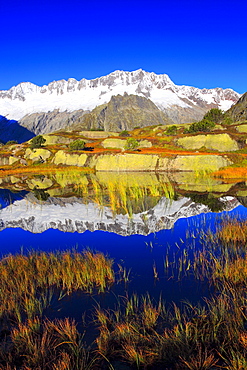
point(180, 103)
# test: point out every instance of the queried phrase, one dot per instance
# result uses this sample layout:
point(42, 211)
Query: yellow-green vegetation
point(129, 194)
point(77, 144)
point(241, 128)
point(219, 142)
point(198, 163)
point(233, 232)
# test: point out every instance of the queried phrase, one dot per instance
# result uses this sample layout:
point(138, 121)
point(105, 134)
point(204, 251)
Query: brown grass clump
point(47, 345)
point(233, 231)
point(27, 282)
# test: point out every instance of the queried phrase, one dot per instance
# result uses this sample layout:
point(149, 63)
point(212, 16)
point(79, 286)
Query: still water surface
point(139, 220)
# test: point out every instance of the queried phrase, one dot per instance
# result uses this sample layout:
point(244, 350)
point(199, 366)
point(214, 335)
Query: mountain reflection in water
point(126, 204)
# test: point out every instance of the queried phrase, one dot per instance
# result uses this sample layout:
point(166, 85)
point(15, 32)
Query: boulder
point(150, 162)
point(68, 159)
point(37, 154)
point(14, 179)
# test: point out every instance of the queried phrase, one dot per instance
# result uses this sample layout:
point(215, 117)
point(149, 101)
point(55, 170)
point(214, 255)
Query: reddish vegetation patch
point(232, 173)
point(168, 152)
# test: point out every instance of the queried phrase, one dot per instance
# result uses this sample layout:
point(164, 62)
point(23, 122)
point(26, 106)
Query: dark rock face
point(238, 112)
point(123, 113)
point(11, 130)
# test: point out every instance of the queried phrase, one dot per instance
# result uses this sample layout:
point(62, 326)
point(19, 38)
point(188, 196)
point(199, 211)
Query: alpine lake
point(170, 252)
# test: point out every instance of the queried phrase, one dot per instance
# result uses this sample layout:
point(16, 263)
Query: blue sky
point(197, 43)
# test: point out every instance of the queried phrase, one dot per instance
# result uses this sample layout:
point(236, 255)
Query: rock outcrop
point(219, 142)
point(70, 159)
point(38, 154)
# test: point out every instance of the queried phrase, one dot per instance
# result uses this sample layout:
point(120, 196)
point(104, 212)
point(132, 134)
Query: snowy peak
point(180, 103)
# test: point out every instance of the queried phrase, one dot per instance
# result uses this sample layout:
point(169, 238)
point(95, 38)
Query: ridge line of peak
point(115, 73)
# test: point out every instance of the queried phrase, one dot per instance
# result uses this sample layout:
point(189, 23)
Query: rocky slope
point(122, 113)
point(180, 103)
point(238, 112)
point(43, 123)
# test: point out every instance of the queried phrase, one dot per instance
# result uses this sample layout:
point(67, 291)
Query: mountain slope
point(11, 130)
point(44, 123)
point(180, 103)
point(123, 113)
point(238, 112)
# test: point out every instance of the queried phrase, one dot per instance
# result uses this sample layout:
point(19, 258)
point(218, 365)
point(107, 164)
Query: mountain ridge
point(179, 102)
